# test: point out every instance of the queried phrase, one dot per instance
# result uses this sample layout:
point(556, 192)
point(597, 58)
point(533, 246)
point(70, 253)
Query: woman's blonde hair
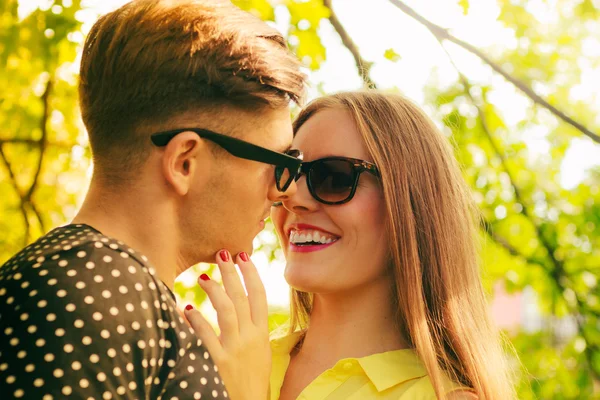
point(433, 244)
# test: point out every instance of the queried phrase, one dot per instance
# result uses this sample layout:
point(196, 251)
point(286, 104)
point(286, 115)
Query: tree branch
point(43, 141)
point(363, 66)
point(22, 202)
point(442, 34)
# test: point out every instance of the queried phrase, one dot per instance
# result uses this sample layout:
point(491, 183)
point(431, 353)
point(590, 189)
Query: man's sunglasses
point(333, 180)
point(287, 166)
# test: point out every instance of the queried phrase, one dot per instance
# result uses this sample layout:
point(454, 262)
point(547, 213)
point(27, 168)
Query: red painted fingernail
point(204, 277)
point(224, 254)
point(244, 256)
point(189, 307)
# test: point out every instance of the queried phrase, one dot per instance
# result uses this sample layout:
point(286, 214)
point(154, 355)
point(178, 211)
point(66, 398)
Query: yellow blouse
point(397, 375)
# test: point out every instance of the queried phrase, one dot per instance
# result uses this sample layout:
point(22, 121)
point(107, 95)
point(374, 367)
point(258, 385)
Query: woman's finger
point(226, 313)
point(204, 331)
point(234, 288)
point(257, 296)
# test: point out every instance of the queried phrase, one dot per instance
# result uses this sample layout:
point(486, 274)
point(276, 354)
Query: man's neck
point(352, 325)
point(141, 227)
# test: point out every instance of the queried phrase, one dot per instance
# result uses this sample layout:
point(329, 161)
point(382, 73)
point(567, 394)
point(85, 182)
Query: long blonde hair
point(433, 244)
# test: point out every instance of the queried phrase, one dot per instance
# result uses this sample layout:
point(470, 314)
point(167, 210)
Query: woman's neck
point(352, 325)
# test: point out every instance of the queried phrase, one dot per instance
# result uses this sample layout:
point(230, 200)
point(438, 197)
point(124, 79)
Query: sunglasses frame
point(358, 167)
point(291, 159)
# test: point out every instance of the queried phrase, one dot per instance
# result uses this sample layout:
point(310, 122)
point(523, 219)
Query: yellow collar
point(384, 370)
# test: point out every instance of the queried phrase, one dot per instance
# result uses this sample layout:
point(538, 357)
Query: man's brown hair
point(151, 60)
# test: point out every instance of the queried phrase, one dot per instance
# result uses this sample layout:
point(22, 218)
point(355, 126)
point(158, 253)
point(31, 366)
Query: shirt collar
point(384, 370)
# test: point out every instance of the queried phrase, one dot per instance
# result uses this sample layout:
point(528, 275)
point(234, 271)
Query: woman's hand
point(242, 352)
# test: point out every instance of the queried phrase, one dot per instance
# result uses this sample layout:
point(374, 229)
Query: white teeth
point(297, 237)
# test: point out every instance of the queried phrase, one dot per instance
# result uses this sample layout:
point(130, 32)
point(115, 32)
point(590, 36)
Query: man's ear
point(181, 161)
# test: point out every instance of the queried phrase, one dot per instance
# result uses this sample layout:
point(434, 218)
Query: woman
point(380, 243)
point(380, 239)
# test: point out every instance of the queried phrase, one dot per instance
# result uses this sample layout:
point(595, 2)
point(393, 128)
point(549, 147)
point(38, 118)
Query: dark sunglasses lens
point(332, 180)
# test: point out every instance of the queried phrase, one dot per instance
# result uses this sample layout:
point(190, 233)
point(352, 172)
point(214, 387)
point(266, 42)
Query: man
point(186, 107)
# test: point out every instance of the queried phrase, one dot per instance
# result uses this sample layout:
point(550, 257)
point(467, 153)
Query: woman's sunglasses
point(333, 180)
point(287, 165)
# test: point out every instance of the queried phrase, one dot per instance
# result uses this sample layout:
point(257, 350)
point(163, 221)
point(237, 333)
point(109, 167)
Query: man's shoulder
point(78, 243)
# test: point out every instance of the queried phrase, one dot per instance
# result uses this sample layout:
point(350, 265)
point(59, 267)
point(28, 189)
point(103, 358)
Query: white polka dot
point(10, 379)
point(43, 272)
point(144, 304)
point(145, 363)
point(81, 254)
point(18, 393)
point(206, 355)
point(70, 307)
point(66, 390)
point(97, 316)
point(123, 289)
point(112, 353)
point(215, 394)
point(76, 365)
point(131, 269)
point(113, 246)
point(68, 348)
point(84, 383)
point(32, 329)
point(105, 334)
point(197, 395)
point(80, 285)
point(121, 329)
point(88, 299)
point(63, 263)
point(33, 293)
point(171, 363)
point(129, 367)
point(52, 281)
point(71, 272)
point(24, 285)
point(94, 358)
point(90, 265)
point(141, 344)
point(107, 259)
point(98, 279)
point(132, 385)
point(17, 276)
point(61, 293)
point(203, 381)
point(117, 371)
point(121, 390)
point(59, 332)
point(29, 368)
point(42, 303)
point(51, 317)
point(49, 357)
point(98, 245)
point(59, 373)
point(106, 294)
point(135, 325)
point(78, 323)
point(86, 340)
point(21, 354)
point(101, 376)
point(39, 382)
point(190, 369)
point(116, 273)
point(129, 307)
point(114, 311)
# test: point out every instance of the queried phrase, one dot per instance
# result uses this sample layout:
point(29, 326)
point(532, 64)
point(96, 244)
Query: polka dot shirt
point(83, 316)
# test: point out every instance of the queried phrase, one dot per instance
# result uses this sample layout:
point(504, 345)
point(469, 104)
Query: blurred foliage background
point(540, 234)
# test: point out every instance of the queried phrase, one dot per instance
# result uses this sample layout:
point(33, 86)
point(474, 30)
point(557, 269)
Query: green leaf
point(391, 55)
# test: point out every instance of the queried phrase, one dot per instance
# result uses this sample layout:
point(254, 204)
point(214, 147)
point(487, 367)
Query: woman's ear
point(181, 161)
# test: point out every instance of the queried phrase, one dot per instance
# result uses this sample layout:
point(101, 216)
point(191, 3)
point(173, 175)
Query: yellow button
point(347, 365)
